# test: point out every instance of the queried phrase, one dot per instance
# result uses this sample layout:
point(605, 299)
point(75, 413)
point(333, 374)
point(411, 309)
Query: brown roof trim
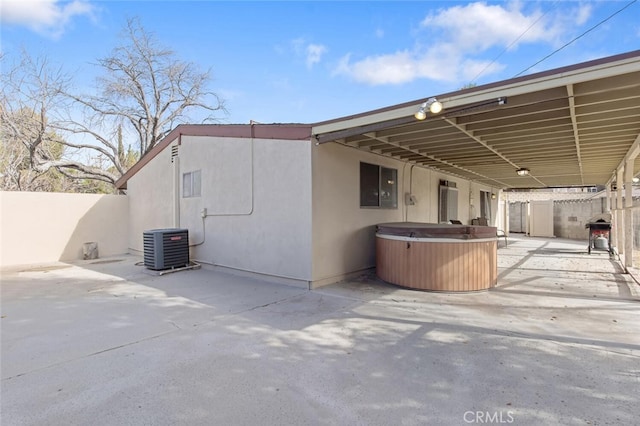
point(568, 68)
point(256, 131)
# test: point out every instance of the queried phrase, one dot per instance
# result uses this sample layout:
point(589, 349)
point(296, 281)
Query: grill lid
point(600, 218)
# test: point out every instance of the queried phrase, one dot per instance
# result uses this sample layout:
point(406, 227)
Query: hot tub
point(437, 257)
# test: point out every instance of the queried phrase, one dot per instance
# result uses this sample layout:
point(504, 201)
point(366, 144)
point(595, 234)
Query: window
point(485, 205)
point(448, 202)
point(191, 184)
point(378, 186)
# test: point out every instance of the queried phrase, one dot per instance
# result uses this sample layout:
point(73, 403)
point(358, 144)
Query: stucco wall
point(41, 227)
point(151, 199)
point(277, 211)
point(344, 233)
point(257, 197)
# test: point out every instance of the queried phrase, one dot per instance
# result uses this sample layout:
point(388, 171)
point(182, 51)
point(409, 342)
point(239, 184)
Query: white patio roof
point(571, 126)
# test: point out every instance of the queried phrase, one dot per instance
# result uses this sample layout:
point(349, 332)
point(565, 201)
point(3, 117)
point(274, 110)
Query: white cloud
point(481, 26)
point(440, 63)
point(395, 68)
point(583, 14)
point(312, 53)
point(456, 37)
point(48, 17)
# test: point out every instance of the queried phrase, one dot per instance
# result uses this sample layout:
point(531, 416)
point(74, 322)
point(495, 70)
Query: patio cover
point(571, 126)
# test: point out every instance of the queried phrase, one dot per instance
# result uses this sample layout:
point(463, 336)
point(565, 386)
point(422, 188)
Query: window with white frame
point(191, 184)
point(378, 186)
point(447, 201)
point(485, 205)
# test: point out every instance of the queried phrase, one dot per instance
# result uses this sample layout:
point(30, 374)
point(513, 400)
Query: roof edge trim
point(254, 131)
point(599, 68)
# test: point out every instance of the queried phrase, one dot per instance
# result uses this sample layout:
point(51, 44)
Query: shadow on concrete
point(103, 342)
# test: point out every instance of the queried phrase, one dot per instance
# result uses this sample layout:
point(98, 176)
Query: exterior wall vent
point(166, 248)
point(174, 152)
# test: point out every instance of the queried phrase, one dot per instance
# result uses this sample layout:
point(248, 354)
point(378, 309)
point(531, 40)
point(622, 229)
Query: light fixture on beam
point(522, 172)
point(432, 104)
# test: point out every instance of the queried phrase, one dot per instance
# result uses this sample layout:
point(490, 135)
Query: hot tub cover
point(436, 230)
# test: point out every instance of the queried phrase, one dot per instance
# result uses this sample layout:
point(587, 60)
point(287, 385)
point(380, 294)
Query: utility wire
point(512, 43)
point(578, 37)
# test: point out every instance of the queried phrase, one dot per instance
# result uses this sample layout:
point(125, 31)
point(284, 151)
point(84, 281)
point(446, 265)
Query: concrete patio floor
point(108, 343)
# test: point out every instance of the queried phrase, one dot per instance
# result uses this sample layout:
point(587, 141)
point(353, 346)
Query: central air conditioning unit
point(166, 248)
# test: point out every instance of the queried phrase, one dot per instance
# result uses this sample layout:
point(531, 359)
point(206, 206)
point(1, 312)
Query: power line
point(577, 38)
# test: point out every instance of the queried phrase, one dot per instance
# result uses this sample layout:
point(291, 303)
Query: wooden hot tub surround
point(437, 257)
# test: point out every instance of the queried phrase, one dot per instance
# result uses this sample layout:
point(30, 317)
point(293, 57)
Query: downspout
point(505, 212)
point(472, 207)
point(405, 195)
point(175, 160)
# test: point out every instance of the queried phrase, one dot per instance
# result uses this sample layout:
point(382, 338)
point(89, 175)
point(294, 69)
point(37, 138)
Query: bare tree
point(18, 138)
point(144, 90)
point(145, 87)
point(31, 99)
point(28, 145)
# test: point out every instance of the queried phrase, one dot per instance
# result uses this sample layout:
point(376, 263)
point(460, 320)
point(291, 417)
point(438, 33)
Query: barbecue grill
point(600, 232)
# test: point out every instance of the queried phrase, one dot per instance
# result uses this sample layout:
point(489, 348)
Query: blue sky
point(306, 61)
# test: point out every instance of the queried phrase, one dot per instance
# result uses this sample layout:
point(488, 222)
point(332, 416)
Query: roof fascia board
point(563, 77)
point(253, 130)
point(159, 147)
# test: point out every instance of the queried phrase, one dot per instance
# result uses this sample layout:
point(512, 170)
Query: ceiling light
point(420, 115)
point(636, 179)
point(522, 172)
point(432, 104)
point(435, 106)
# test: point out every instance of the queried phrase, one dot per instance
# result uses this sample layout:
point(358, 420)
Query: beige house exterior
point(284, 201)
point(275, 204)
